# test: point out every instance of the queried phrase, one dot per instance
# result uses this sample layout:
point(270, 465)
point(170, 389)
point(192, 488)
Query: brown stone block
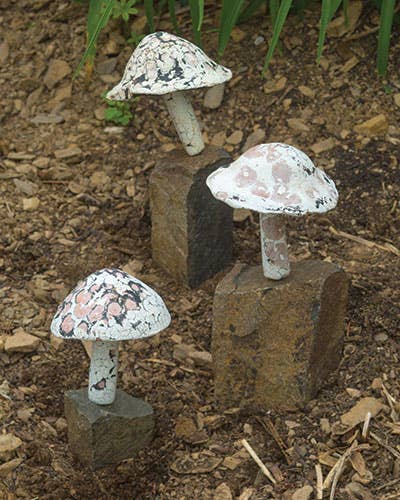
point(275, 342)
point(105, 435)
point(191, 231)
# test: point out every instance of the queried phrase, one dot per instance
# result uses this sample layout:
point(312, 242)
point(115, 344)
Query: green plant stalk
point(280, 21)
point(328, 9)
point(385, 31)
point(93, 30)
point(229, 15)
point(197, 15)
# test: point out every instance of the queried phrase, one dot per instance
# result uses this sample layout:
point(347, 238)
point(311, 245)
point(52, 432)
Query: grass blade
point(328, 10)
point(280, 21)
point(249, 10)
point(98, 15)
point(172, 15)
point(229, 15)
point(273, 10)
point(299, 7)
point(149, 10)
point(197, 15)
point(385, 31)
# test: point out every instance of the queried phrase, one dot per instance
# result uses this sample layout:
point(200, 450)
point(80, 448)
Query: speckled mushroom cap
point(110, 305)
point(164, 63)
point(274, 178)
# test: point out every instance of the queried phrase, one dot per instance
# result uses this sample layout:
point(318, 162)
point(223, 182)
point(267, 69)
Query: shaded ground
point(92, 211)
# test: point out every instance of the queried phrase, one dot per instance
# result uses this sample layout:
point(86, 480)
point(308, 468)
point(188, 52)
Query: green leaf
point(172, 14)
point(328, 10)
point(98, 15)
point(385, 31)
point(273, 10)
point(249, 10)
point(299, 7)
point(149, 9)
point(197, 15)
point(280, 21)
point(229, 15)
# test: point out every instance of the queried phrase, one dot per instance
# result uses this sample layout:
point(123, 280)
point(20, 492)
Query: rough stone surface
point(191, 230)
point(275, 342)
point(21, 342)
point(104, 435)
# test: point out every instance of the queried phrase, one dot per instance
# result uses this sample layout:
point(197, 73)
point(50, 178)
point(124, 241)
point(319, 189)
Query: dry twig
point(271, 429)
point(380, 441)
point(258, 461)
point(365, 428)
point(320, 482)
point(387, 247)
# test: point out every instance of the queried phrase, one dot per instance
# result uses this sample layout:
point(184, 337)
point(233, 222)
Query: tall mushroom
point(274, 179)
point(167, 65)
point(106, 307)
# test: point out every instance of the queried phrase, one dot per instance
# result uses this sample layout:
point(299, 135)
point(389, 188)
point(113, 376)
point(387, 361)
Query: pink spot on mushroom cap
point(96, 313)
point(81, 311)
point(114, 309)
point(282, 172)
point(109, 297)
point(83, 297)
point(135, 287)
point(67, 324)
point(83, 327)
point(245, 177)
point(221, 195)
point(255, 152)
point(260, 189)
point(131, 305)
point(64, 307)
point(94, 288)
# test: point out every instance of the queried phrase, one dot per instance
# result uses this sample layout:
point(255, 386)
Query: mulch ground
point(74, 199)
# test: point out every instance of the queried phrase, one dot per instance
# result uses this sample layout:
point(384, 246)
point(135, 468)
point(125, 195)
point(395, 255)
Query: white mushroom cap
point(164, 63)
point(274, 178)
point(110, 305)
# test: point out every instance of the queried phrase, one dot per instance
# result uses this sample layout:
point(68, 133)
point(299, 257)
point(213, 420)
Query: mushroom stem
point(274, 251)
point(185, 121)
point(103, 372)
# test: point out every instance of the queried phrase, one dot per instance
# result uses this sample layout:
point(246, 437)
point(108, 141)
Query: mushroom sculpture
point(167, 65)
point(106, 307)
point(274, 179)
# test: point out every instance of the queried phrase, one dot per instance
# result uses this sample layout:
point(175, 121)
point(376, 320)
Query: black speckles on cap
point(164, 63)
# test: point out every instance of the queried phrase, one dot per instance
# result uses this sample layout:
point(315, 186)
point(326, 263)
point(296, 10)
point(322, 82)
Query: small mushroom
point(274, 179)
point(106, 307)
point(167, 65)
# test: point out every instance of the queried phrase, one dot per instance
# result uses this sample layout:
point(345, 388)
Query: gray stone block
point(101, 435)
point(191, 232)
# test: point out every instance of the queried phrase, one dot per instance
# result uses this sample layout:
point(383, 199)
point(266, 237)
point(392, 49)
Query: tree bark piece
point(191, 230)
point(275, 342)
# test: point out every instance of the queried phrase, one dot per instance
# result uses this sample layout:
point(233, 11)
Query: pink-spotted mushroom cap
point(167, 65)
point(274, 179)
point(106, 307)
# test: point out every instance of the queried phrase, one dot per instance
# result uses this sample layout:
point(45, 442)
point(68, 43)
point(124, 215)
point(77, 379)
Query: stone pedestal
point(191, 231)
point(275, 342)
point(105, 435)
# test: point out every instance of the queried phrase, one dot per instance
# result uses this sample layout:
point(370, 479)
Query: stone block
point(191, 230)
point(275, 342)
point(104, 435)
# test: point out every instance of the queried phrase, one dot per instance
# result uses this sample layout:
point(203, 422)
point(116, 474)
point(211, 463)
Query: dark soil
point(93, 212)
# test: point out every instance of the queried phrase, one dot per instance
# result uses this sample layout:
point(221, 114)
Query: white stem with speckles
point(274, 251)
point(103, 372)
point(185, 121)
